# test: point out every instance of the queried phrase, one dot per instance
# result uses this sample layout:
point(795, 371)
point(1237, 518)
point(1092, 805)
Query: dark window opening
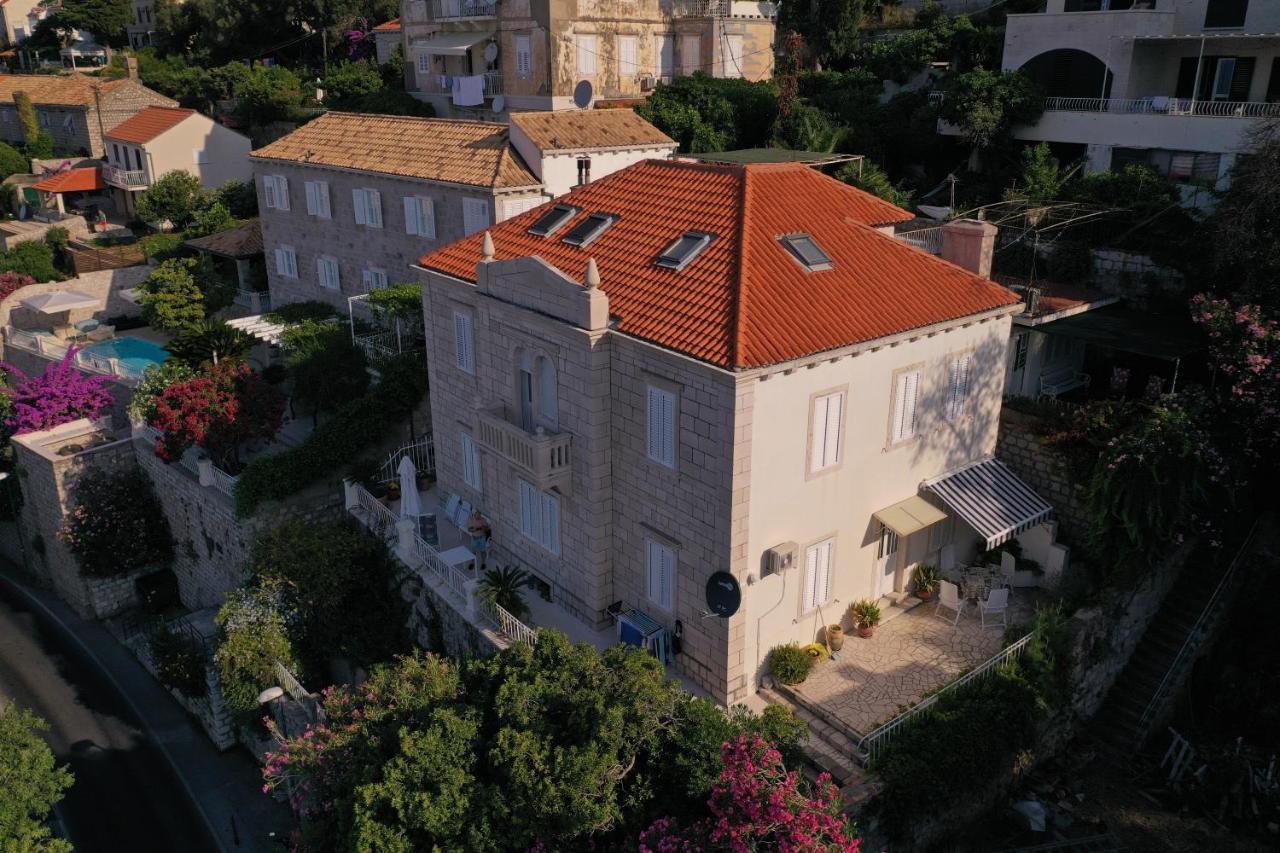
point(1225, 14)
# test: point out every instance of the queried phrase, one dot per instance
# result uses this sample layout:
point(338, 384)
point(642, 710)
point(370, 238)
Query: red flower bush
point(220, 411)
point(12, 281)
point(61, 395)
point(758, 804)
point(1244, 347)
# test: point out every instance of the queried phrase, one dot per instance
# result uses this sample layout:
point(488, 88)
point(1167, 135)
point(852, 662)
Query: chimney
point(131, 67)
point(969, 243)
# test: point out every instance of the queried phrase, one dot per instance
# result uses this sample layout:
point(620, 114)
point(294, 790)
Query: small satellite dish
point(724, 596)
point(499, 103)
point(582, 94)
point(491, 51)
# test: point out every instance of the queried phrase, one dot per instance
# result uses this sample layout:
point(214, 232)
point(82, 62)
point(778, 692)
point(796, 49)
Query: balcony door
point(525, 390)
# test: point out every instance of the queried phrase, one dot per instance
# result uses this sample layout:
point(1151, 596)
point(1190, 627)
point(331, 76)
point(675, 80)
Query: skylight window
point(807, 251)
point(589, 229)
point(551, 221)
point(686, 247)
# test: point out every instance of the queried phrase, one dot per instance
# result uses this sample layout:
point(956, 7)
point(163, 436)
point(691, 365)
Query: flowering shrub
point(1244, 347)
point(116, 525)
point(758, 804)
point(219, 411)
point(61, 395)
point(12, 281)
point(254, 636)
point(155, 379)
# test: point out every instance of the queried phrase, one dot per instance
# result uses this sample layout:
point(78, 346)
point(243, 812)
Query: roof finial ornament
point(592, 278)
point(486, 248)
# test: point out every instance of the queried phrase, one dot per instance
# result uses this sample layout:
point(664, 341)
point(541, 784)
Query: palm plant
point(210, 342)
point(502, 586)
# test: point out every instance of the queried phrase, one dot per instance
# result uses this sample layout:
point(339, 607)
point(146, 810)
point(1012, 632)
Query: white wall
point(789, 504)
point(225, 151)
point(1220, 134)
point(559, 169)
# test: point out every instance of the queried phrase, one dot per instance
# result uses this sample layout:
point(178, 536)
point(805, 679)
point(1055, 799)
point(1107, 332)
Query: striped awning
point(991, 499)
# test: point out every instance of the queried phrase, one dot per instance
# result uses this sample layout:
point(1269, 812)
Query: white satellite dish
point(499, 103)
point(582, 94)
point(491, 51)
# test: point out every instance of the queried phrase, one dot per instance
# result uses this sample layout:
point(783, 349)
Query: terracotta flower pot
point(835, 637)
point(924, 594)
point(865, 631)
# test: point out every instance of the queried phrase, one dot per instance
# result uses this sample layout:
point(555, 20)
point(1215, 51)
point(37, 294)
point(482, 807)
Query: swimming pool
point(135, 354)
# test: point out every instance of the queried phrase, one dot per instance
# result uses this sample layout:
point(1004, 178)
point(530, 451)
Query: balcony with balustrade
point(724, 9)
point(545, 458)
point(125, 179)
point(461, 10)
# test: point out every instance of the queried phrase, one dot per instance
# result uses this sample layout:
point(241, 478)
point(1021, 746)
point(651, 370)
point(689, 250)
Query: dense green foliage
point(301, 312)
point(789, 663)
point(33, 258)
point(31, 783)
point(162, 247)
point(704, 113)
point(175, 197)
point(337, 441)
point(986, 104)
point(12, 161)
point(240, 198)
point(180, 661)
point(117, 524)
point(171, 300)
point(253, 637)
point(504, 586)
point(327, 369)
point(1244, 255)
point(399, 302)
point(106, 19)
point(205, 343)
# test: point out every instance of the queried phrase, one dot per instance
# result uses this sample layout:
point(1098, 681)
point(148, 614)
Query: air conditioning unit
point(648, 84)
point(780, 558)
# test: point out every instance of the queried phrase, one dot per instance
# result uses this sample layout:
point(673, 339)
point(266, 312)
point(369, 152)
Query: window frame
point(325, 262)
point(703, 240)
point(897, 438)
point(809, 604)
point(540, 518)
point(291, 268)
point(471, 472)
point(415, 223)
point(374, 278)
point(524, 55)
point(793, 244)
point(633, 60)
point(367, 204)
point(464, 342)
point(662, 550)
point(275, 188)
point(318, 205)
point(959, 385)
point(818, 431)
point(567, 213)
point(603, 221)
point(586, 54)
point(470, 209)
point(664, 448)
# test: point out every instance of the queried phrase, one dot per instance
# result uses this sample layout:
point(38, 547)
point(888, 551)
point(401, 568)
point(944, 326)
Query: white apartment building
point(688, 374)
point(1177, 84)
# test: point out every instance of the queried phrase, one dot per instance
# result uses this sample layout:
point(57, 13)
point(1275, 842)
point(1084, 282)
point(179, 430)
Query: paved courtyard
point(907, 657)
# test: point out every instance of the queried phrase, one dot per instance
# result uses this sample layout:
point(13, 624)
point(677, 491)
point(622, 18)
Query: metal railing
point(724, 9)
point(290, 682)
point(56, 350)
point(124, 178)
point(510, 625)
point(422, 452)
point(492, 83)
point(379, 516)
point(223, 482)
point(1165, 106)
point(377, 345)
point(256, 301)
point(874, 743)
point(1192, 643)
point(928, 239)
point(444, 10)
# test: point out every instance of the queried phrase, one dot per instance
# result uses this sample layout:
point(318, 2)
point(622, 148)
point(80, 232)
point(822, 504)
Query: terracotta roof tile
point(73, 181)
point(243, 241)
point(392, 26)
point(745, 301)
point(148, 123)
point(459, 152)
point(52, 89)
point(579, 129)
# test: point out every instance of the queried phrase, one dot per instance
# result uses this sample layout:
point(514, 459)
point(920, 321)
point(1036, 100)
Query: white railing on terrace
point(377, 345)
point(443, 10)
point(124, 178)
point(874, 743)
point(1165, 106)
point(378, 516)
point(56, 350)
point(256, 301)
point(222, 481)
point(289, 682)
point(492, 83)
point(724, 9)
point(510, 625)
point(422, 452)
point(928, 239)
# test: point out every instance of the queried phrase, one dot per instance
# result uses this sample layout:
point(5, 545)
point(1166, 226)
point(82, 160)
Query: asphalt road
point(124, 797)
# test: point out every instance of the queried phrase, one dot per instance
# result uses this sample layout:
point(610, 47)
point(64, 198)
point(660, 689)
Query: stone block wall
point(1042, 469)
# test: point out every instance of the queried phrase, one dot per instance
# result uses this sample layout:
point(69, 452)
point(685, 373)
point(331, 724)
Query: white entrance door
point(886, 561)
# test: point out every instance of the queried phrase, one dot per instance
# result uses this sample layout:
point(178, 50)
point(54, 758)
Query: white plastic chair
point(1008, 566)
point(949, 597)
point(997, 604)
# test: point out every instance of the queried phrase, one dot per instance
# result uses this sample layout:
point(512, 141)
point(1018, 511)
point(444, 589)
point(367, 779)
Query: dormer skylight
point(807, 251)
point(551, 221)
point(686, 247)
point(589, 229)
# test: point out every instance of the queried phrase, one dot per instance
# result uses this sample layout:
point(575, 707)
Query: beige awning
point(906, 517)
point(453, 44)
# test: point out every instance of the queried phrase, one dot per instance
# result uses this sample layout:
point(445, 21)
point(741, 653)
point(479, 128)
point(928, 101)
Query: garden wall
point(438, 625)
point(1027, 455)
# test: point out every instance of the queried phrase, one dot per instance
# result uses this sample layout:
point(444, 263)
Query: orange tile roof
point(148, 123)
point(393, 25)
point(55, 90)
point(566, 130)
point(73, 181)
point(744, 302)
point(459, 152)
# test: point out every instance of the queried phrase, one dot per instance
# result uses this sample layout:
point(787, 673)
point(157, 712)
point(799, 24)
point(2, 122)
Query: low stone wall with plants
point(1024, 450)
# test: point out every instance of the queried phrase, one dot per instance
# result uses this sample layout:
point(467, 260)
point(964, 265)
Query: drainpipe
point(1195, 89)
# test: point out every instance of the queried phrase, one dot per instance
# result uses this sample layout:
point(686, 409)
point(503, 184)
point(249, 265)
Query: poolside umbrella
point(57, 301)
point(410, 500)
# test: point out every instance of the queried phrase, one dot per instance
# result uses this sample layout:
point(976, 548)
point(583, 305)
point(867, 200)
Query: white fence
point(222, 481)
point(377, 345)
point(928, 239)
point(874, 743)
point(56, 350)
point(1165, 106)
point(289, 682)
point(510, 625)
point(422, 453)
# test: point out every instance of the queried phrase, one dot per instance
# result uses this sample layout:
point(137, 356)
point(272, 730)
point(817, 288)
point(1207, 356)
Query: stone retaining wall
point(1041, 468)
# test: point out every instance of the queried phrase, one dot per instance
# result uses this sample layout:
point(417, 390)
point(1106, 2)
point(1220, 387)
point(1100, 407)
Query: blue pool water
point(135, 354)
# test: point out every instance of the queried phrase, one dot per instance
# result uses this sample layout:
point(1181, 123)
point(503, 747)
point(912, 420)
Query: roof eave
point(355, 171)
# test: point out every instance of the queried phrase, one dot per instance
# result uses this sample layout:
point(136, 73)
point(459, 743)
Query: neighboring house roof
point(243, 241)
point(72, 181)
point(567, 130)
point(449, 150)
point(74, 90)
point(389, 26)
point(745, 301)
point(148, 123)
point(1054, 299)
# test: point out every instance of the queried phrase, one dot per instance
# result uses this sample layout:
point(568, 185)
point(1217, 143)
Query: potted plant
point(817, 651)
point(835, 637)
point(865, 616)
point(926, 578)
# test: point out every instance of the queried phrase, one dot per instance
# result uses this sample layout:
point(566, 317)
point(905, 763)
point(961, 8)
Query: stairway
point(1118, 723)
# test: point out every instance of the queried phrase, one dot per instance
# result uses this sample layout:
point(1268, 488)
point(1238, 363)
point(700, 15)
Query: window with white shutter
point(731, 64)
point(958, 382)
point(662, 426)
point(275, 189)
point(373, 278)
point(906, 393)
point(524, 56)
point(464, 343)
point(666, 48)
point(661, 562)
point(628, 56)
point(516, 206)
point(470, 462)
point(368, 207)
point(690, 53)
point(317, 198)
point(327, 273)
point(586, 46)
point(540, 517)
point(825, 438)
point(287, 262)
point(420, 216)
point(816, 587)
point(475, 215)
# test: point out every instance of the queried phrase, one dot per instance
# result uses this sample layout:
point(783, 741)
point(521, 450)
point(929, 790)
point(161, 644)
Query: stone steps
point(827, 749)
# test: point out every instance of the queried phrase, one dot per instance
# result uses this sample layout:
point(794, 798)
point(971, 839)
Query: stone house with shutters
point(349, 201)
point(685, 369)
point(76, 110)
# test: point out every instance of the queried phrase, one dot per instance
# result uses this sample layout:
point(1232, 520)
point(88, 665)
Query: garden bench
point(1060, 380)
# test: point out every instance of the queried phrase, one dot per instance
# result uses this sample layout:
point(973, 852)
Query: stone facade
point(80, 129)
point(1041, 468)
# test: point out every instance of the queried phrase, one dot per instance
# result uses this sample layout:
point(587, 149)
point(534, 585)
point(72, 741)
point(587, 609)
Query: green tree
point(327, 369)
point(33, 258)
point(830, 27)
point(31, 783)
point(171, 300)
point(985, 104)
point(209, 342)
point(252, 639)
point(1244, 254)
point(869, 177)
point(269, 94)
point(174, 198)
point(705, 113)
point(1042, 176)
point(239, 198)
point(209, 217)
point(12, 161)
point(348, 82)
point(155, 379)
point(106, 19)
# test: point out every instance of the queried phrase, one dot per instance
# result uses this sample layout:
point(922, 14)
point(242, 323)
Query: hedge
point(334, 443)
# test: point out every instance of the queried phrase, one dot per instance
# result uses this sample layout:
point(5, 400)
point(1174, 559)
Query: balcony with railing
point(442, 84)
point(545, 458)
point(461, 10)
point(724, 9)
point(125, 179)
point(1165, 106)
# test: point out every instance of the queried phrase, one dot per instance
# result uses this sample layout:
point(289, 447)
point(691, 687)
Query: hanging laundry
point(468, 91)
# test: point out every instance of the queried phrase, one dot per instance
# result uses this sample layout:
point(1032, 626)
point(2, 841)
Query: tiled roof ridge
point(740, 303)
point(415, 119)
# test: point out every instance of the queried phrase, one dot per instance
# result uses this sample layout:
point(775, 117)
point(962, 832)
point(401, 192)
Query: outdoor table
point(458, 557)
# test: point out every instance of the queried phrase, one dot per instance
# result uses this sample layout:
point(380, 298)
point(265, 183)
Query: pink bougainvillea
point(1244, 349)
point(758, 804)
point(12, 281)
point(61, 395)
